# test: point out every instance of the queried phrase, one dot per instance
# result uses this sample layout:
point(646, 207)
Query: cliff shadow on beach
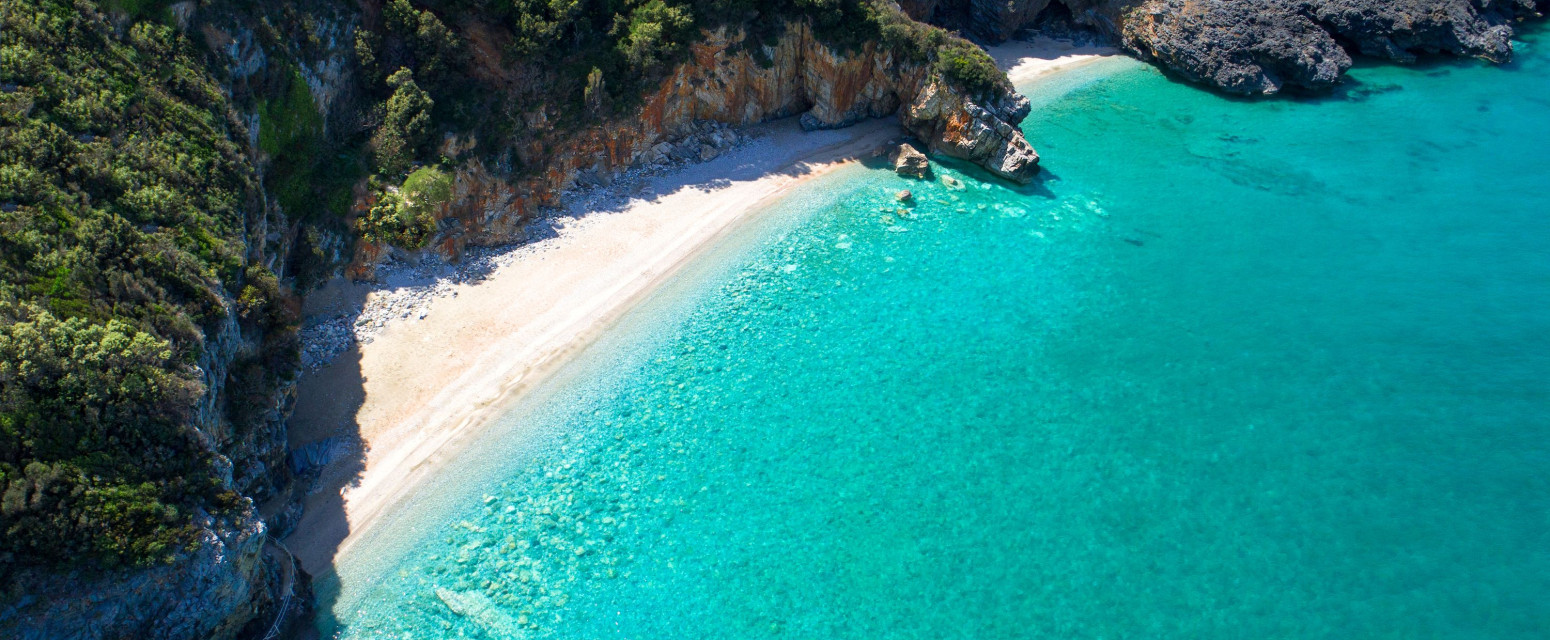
point(327, 450)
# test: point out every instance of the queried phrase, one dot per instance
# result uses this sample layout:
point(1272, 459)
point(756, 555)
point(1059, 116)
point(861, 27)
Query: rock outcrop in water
point(908, 161)
point(1264, 46)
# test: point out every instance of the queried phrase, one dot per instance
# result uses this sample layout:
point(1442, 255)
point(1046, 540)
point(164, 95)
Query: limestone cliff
point(129, 481)
point(728, 81)
point(1264, 46)
point(211, 592)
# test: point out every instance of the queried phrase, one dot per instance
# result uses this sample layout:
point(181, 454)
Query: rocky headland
point(1255, 47)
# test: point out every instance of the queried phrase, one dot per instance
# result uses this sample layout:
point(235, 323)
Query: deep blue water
point(1233, 369)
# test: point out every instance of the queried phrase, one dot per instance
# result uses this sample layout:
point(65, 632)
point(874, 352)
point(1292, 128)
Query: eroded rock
point(909, 161)
point(1266, 46)
point(723, 84)
point(209, 592)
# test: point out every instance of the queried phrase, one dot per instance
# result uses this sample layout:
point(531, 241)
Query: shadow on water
point(1041, 185)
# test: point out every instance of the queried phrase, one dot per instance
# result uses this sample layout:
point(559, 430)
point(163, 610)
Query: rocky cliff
point(285, 95)
point(729, 81)
point(212, 592)
point(1264, 46)
point(144, 395)
point(288, 83)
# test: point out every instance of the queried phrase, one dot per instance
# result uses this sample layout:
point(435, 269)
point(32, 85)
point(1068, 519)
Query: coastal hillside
point(175, 177)
point(147, 348)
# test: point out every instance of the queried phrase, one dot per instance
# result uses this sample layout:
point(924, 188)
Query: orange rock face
point(730, 82)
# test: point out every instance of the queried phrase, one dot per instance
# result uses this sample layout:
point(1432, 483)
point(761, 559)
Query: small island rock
point(909, 161)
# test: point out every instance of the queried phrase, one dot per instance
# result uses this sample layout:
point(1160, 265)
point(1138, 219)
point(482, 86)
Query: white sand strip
point(430, 382)
point(1028, 60)
point(425, 385)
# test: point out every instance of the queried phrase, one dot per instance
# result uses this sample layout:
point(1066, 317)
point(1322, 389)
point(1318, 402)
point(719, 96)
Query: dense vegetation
point(123, 209)
point(403, 217)
point(136, 222)
point(589, 59)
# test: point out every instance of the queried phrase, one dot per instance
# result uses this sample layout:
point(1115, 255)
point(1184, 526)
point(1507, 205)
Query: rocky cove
point(1255, 47)
point(726, 85)
point(730, 80)
point(1251, 47)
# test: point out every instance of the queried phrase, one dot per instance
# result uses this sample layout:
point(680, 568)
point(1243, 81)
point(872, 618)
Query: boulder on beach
point(909, 161)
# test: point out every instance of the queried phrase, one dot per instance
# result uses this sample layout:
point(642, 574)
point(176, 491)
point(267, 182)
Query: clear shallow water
point(1235, 369)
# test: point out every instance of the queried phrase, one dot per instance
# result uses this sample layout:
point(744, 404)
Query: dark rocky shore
point(1254, 47)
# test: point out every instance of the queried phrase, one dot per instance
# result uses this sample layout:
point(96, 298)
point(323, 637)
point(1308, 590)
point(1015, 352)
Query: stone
point(909, 161)
point(904, 196)
point(208, 592)
point(1258, 47)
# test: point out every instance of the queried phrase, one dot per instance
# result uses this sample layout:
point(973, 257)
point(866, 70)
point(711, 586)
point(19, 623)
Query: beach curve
point(428, 384)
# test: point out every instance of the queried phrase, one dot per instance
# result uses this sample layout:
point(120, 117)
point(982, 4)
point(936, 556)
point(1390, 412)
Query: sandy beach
point(1027, 60)
point(426, 382)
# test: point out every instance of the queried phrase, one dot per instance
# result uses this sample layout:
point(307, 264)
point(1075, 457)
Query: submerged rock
point(479, 609)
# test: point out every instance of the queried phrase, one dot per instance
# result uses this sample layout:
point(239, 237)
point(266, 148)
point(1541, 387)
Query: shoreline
point(421, 389)
point(1025, 61)
point(427, 383)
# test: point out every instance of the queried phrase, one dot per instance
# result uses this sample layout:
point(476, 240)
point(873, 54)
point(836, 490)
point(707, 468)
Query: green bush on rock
point(405, 218)
point(969, 67)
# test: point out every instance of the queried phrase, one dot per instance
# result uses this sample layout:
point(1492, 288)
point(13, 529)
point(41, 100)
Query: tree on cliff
point(406, 124)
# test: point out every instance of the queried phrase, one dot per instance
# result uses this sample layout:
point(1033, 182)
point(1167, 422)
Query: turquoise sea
point(1232, 369)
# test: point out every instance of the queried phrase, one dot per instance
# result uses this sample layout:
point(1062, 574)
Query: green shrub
point(433, 46)
point(427, 188)
point(289, 122)
point(391, 222)
point(969, 67)
point(406, 218)
point(290, 132)
point(653, 33)
point(538, 25)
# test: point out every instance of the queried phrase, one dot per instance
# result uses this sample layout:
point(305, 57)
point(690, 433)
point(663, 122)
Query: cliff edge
point(730, 78)
point(1257, 47)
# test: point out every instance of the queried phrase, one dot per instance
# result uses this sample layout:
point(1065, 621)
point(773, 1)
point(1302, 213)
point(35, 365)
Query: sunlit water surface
point(1234, 369)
